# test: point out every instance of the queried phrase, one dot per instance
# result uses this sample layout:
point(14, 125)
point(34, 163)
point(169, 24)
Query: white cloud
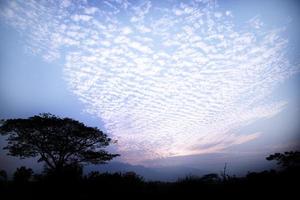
point(90, 10)
point(218, 14)
point(140, 11)
point(228, 13)
point(143, 29)
point(178, 12)
point(138, 46)
point(77, 18)
point(256, 22)
point(126, 30)
point(65, 3)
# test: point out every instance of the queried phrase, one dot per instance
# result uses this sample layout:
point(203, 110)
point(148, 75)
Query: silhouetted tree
point(58, 142)
point(289, 159)
point(22, 174)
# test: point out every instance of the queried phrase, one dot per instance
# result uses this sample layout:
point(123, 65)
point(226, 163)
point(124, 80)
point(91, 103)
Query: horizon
point(192, 84)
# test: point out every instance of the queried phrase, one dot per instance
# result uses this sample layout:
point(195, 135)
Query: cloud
point(178, 82)
point(140, 11)
point(65, 3)
point(255, 22)
point(90, 10)
point(77, 18)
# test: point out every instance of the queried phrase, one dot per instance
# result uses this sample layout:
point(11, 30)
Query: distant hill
point(151, 173)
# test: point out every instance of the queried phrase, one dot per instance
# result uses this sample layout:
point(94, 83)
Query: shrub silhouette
point(22, 175)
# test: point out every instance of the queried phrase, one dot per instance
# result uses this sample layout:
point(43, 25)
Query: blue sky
point(167, 79)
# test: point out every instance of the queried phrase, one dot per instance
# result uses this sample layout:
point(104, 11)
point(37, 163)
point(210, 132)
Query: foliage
point(58, 142)
point(22, 174)
point(289, 159)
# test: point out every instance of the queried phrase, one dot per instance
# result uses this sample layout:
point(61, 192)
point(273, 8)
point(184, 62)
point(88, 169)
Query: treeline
point(72, 183)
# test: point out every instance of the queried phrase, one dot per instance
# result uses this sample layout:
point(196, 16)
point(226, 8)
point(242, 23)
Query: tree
point(22, 174)
point(289, 159)
point(58, 142)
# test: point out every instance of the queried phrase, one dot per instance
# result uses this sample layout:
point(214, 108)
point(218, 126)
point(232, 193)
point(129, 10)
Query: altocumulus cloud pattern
point(167, 78)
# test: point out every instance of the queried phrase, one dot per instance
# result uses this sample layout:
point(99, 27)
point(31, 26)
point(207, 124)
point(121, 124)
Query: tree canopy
point(58, 142)
point(289, 159)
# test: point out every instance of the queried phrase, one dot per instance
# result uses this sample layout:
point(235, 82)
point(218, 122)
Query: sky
point(172, 81)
